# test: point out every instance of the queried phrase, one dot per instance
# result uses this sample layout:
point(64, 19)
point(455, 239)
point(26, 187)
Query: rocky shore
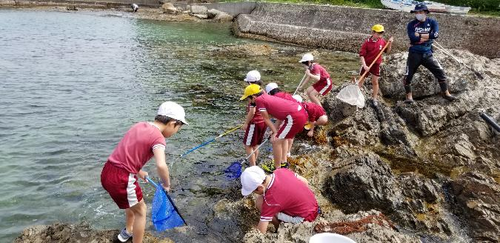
point(426, 172)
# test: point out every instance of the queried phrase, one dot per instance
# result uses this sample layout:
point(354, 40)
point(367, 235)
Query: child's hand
point(391, 39)
point(366, 68)
point(142, 174)
point(166, 188)
point(308, 72)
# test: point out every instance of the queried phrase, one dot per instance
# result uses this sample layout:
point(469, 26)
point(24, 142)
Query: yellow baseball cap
point(251, 90)
point(378, 28)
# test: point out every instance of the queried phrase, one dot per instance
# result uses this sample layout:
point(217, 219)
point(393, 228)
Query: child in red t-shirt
point(291, 118)
point(318, 73)
point(316, 113)
point(283, 196)
point(142, 141)
point(369, 51)
point(254, 125)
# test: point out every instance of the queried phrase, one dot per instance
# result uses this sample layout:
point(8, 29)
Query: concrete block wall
point(344, 28)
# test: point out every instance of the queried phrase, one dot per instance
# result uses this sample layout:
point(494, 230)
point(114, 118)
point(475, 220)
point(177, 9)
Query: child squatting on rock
point(292, 118)
point(142, 141)
point(316, 114)
point(254, 125)
point(283, 196)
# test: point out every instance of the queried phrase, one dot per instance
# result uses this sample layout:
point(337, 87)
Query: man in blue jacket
point(422, 31)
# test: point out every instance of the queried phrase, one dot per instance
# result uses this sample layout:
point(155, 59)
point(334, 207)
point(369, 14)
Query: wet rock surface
point(477, 200)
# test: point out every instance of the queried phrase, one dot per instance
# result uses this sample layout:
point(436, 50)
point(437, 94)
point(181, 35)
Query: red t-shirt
point(285, 95)
point(277, 107)
point(370, 49)
point(136, 147)
point(257, 117)
point(314, 111)
point(289, 195)
point(318, 69)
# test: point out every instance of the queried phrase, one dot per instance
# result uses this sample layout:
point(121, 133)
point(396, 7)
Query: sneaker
point(284, 165)
point(374, 103)
point(407, 101)
point(124, 235)
point(268, 168)
point(449, 97)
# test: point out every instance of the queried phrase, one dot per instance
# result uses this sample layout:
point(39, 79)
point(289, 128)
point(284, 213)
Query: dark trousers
point(427, 60)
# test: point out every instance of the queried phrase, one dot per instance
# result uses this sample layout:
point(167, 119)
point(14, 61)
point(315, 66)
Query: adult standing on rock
point(422, 31)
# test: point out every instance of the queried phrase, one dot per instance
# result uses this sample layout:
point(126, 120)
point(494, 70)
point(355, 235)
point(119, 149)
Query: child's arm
point(389, 47)
point(316, 77)
point(262, 226)
point(250, 115)
point(270, 124)
point(161, 167)
point(363, 63)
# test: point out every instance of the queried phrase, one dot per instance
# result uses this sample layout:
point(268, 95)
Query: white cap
point(298, 98)
point(307, 57)
point(251, 178)
point(252, 76)
point(172, 110)
point(271, 86)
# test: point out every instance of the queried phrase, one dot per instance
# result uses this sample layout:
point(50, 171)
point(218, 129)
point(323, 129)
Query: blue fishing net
point(164, 215)
point(233, 171)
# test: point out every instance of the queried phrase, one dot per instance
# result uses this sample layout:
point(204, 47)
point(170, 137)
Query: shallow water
point(73, 83)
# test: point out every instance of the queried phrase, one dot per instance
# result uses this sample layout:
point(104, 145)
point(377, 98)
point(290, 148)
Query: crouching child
point(282, 196)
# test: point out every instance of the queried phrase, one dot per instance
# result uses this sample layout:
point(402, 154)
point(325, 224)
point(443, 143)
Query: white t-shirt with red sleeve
point(286, 193)
point(136, 147)
point(277, 107)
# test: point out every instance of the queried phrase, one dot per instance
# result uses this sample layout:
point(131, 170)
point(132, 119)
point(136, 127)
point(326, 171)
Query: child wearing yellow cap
point(369, 51)
point(291, 115)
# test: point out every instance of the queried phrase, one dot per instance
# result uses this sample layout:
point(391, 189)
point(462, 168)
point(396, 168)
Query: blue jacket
point(430, 26)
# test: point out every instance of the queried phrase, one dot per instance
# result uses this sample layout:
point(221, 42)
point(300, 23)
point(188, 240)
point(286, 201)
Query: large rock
point(363, 183)
point(197, 9)
point(219, 16)
point(75, 234)
point(169, 8)
point(477, 201)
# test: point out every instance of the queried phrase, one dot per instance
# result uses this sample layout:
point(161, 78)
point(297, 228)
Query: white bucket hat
point(251, 178)
point(307, 57)
point(252, 76)
point(298, 98)
point(172, 110)
point(271, 86)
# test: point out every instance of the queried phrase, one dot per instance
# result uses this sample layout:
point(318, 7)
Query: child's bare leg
point(290, 144)
point(313, 95)
point(130, 220)
point(284, 150)
point(139, 211)
point(278, 152)
point(375, 86)
point(249, 150)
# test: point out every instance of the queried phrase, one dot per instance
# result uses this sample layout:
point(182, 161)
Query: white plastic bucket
point(330, 238)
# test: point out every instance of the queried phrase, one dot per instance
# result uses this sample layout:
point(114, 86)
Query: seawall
point(344, 28)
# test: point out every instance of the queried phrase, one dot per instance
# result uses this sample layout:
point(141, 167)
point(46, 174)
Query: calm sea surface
point(71, 84)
